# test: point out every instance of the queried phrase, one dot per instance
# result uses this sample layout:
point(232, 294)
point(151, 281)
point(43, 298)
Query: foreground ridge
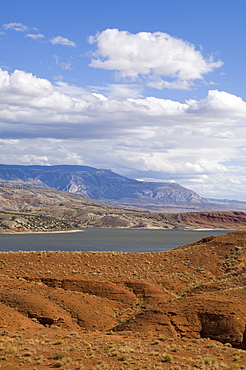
point(183, 307)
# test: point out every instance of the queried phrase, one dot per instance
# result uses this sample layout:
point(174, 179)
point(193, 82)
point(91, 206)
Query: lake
point(97, 239)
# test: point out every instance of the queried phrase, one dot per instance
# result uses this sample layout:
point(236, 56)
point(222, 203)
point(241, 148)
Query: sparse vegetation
point(46, 209)
point(162, 318)
point(30, 222)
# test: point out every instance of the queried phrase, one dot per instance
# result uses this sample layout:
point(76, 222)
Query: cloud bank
point(158, 59)
point(199, 143)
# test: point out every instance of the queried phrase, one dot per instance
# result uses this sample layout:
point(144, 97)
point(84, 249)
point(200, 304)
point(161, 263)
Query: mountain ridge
point(110, 187)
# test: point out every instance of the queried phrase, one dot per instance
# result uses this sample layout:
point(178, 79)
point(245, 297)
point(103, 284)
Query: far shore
point(39, 232)
point(122, 228)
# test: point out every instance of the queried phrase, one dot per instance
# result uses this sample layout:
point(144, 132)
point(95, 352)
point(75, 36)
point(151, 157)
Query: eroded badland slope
point(43, 209)
point(179, 309)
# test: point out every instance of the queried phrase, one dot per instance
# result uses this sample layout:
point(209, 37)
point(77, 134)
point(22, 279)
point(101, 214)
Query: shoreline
point(40, 232)
point(110, 228)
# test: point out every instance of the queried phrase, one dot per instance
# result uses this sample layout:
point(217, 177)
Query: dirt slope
point(89, 310)
point(43, 209)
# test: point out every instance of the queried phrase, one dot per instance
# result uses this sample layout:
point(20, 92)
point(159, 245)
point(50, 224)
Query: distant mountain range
point(113, 189)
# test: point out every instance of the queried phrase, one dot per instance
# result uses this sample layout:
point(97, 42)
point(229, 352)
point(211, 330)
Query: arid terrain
point(178, 309)
point(44, 209)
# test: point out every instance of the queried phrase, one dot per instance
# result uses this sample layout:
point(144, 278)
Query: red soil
point(126, 310)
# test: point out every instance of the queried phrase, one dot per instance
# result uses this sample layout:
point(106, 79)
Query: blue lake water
point(96, 239)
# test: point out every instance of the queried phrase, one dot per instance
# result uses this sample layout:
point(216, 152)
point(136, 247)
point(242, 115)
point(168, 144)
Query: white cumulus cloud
point(199, 143)
point(59, 40)
point(220, 102)
point(159, 59)
point(19, 27)
point(36, 36)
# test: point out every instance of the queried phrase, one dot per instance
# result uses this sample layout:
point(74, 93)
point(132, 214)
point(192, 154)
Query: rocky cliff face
point(113, 189)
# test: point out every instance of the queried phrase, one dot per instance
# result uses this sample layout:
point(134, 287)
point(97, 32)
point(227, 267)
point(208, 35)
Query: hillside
point(45, 209)
point(113, 189)
point(23, 222)
point(178, 309)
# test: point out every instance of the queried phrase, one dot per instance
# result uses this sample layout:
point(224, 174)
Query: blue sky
point(153, 90)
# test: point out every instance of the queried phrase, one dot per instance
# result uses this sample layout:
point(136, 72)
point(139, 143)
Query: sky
point(153, 90)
